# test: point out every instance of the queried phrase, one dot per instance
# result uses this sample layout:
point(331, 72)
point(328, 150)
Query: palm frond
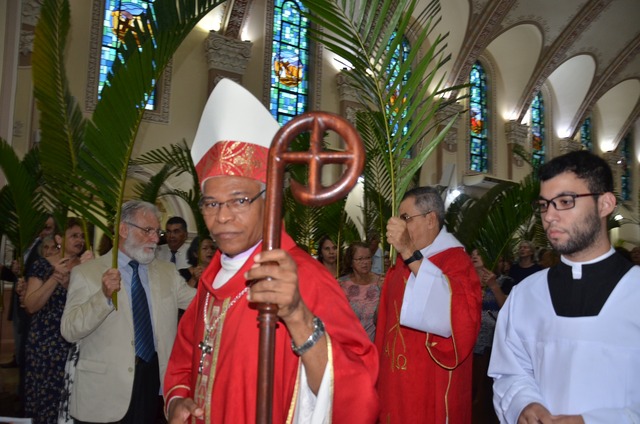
point(179, 157)
point(104, 155)
point(108, 139)
point(399, 96)
point(508, 219)
point(21, 214)
point(150, 191)
point(61, 121)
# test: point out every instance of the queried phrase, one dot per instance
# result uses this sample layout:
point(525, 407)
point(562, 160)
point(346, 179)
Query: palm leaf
point(105, 150)
point(178, 156)
point(150, 191)
point(21, 213)
point(394, 92)
point(61, 121)
point(509, 220)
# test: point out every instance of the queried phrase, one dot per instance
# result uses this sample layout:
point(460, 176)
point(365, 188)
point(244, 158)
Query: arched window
point(119, 17)
point(478, 115)
point(585, 134)
point(625, 178)
point(290, 61)
point(537, 130)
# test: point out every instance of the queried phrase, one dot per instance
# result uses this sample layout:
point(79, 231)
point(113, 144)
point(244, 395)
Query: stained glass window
point(625, 180)
point(290, 61)
point(585, 134)
point(537, 130)
point(118, 18)
point(399, 57)
point(478, 114)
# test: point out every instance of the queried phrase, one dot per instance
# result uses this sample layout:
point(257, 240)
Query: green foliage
point(22, 215)
point(177, 160)
point(151, 190)
point(104, 143)
point(498, 221)
point(392, 92)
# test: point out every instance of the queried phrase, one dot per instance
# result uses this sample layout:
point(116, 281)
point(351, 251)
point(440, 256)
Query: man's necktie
point(141, 317)
point(173, 256)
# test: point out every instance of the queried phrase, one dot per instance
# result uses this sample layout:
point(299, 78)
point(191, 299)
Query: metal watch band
point(318, 331)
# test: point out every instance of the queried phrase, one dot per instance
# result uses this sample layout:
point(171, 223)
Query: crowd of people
point(435, 337)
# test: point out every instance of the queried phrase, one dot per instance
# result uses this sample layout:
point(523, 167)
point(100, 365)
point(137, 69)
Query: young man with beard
point(567, 341)
point(124, 352)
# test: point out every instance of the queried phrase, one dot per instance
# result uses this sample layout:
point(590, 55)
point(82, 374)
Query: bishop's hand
point(182, 409)
point(275, 276)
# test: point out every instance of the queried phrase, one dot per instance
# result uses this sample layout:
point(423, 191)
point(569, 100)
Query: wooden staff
point(317, 123)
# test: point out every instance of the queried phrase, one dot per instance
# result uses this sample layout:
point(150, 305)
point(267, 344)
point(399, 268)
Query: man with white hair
point(123, 353)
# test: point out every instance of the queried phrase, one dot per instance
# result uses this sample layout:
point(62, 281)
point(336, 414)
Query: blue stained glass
point(478, 115)
point(399, 57)
point(585, 134)
point(290, 61)
point(117, 15)
point(537, 130)
point(625, 179)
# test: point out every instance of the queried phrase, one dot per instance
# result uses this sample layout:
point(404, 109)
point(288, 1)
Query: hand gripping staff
point(316, 123)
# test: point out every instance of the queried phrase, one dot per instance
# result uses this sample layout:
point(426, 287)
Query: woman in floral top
point(362, 286)
point(46, 350)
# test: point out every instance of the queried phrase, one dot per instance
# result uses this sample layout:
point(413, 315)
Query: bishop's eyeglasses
point(561, 202)
point(238, 205)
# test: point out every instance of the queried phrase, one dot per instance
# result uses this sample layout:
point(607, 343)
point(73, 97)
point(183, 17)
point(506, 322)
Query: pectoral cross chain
point(206, 350)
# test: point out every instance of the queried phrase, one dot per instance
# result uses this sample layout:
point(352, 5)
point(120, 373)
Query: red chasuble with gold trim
point(426, 378)
point(229, 378)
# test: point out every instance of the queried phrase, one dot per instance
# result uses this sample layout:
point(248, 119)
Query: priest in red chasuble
point(428, 318)
point(325, 365)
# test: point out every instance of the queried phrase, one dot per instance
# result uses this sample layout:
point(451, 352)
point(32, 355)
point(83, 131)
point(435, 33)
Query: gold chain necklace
point(208, 328)
point(204, 345)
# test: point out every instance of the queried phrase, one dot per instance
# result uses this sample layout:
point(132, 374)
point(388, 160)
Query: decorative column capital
point(569, 145)
point(227, 54)
point(443, 115)
point(346, 92)
point(614, 159)
point(517, 135)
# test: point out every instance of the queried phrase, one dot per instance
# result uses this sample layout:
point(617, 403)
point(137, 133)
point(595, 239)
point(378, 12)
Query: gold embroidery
point(401, 362)
point(204, 383)
point(390, 348)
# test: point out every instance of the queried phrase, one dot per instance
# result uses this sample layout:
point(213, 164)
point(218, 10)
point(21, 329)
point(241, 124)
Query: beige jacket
point(104, 375)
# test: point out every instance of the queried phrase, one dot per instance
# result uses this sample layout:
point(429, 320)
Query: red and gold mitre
point(234, 135)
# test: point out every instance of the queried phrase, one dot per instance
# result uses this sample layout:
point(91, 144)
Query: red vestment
point(232, 395)
point(425, 378)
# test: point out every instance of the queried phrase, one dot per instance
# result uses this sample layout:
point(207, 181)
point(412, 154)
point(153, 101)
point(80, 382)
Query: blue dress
point(46, 353)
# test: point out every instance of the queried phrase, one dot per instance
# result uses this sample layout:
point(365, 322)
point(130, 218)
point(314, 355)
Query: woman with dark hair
point(46, 350)
point(198, 256)
point(362, 286)
point(328, 254)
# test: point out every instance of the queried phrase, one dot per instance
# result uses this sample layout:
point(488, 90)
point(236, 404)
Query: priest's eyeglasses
point(407, 218)
point(148, 231)
point(561, 203)
point(238, 205)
